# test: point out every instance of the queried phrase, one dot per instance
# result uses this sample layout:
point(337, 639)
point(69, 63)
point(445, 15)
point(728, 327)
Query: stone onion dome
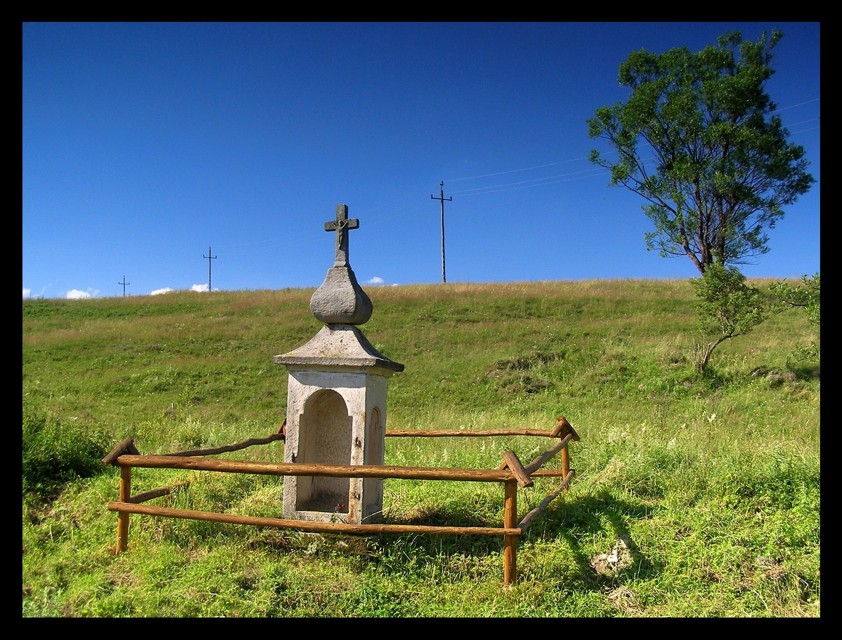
point(340, 299)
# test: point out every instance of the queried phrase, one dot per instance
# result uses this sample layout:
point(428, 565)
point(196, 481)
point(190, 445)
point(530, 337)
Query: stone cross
point(340, 225)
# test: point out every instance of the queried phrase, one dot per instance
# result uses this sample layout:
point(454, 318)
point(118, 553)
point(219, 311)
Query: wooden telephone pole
point(209, 257)
point(441, 198)
point(124, 283)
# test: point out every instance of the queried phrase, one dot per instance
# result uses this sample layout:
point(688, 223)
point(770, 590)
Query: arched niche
point(325, 437)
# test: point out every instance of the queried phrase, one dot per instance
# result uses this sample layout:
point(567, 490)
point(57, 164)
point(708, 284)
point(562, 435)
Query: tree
point(728, 307)
point(716, 170)
point(806, 295)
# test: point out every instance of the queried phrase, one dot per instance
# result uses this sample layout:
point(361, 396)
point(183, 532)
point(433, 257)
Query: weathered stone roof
point(338, 345)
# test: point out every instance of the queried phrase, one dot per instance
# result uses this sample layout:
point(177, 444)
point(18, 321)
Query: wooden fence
point(511, 473)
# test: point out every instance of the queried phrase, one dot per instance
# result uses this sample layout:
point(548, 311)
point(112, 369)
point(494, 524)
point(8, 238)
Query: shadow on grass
point(572, 524)
point(437, 544)
point(806, 372)
point(603, 515)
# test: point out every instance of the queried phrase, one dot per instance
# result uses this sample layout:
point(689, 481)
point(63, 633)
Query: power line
point(209, 257)
point(441, 198)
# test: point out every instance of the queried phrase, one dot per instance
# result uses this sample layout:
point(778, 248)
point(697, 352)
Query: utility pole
point(209, 257)
point(441, 198)
point(124, 283)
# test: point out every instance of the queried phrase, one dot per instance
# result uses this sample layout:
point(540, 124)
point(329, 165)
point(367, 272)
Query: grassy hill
point(694, 496)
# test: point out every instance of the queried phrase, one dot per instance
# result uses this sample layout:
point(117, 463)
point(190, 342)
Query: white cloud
point(376, 280)
point(26, 292)
point(199, 287)
point(76, 294)
point(158, 292)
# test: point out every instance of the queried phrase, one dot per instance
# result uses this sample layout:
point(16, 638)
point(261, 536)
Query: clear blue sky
point(168, 154)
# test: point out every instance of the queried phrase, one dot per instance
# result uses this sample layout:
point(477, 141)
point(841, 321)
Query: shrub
point(54, 452)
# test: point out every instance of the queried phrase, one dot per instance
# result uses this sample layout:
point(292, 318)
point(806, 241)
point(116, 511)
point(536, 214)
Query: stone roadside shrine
point(336, 399)
point(335, 421)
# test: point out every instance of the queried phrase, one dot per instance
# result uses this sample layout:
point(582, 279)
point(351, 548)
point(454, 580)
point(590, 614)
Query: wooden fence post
point(123, 516)
point(510, 542)
point(565, 461)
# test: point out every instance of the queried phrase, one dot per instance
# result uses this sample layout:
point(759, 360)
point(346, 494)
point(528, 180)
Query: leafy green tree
point(728, 307)
point(698, 141)
point(807, 295)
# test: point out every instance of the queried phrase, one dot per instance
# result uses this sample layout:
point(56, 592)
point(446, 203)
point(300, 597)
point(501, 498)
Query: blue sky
point(171, 155)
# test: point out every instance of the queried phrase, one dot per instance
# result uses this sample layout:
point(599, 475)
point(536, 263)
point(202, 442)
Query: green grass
point(694, 496)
